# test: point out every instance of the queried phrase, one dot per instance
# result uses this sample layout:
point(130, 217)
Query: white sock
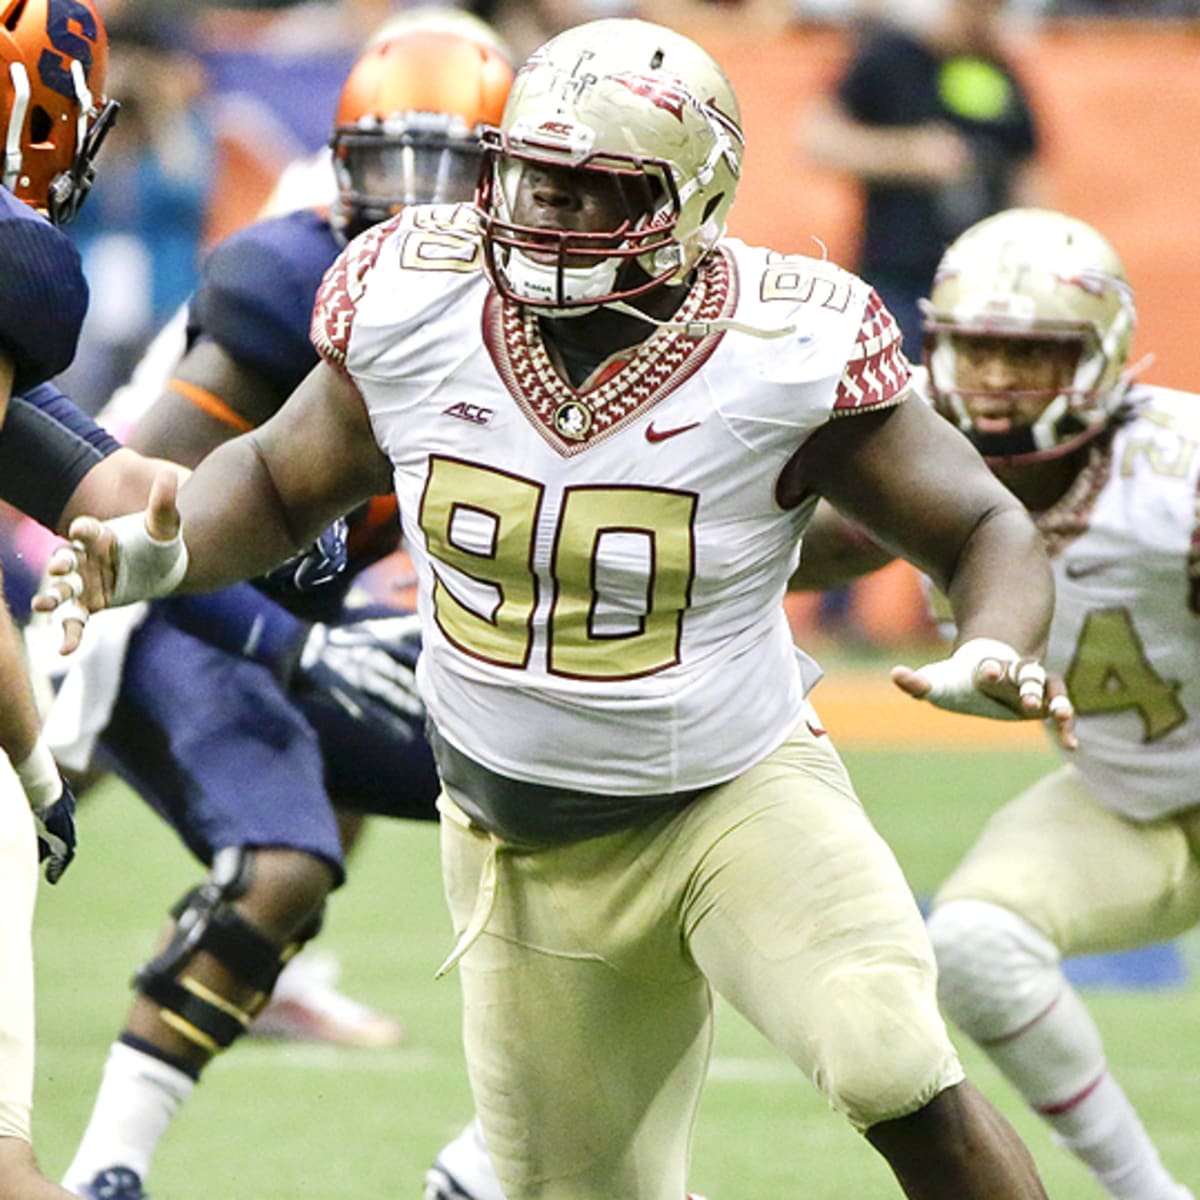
point(1001, 982)
point(1102, 1130)
point(138, 1098)
point(1057, 1063)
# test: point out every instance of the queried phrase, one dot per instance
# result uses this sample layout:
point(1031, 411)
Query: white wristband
point(40, 777)
point(146, 567)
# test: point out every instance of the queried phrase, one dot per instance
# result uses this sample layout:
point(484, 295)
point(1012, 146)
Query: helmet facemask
point(69, 188)
point(408, 158)
point(568, 272)
point(646, 112)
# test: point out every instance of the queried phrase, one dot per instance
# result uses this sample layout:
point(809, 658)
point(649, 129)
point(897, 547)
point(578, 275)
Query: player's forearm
point(915, 155)
point(237, 524)
point(1001, 586)
point(835, 552)
point(117, 484)
point(18, 714)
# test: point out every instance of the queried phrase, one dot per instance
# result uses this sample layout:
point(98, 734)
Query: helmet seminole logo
point(663, 92)
point(1095, 283)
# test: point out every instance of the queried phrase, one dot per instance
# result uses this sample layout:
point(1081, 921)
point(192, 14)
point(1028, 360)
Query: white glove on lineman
point(954, 681)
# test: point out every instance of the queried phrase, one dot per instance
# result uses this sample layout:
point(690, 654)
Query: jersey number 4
point(1111, 673)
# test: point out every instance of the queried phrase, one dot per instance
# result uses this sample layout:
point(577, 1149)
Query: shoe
point(441, 1186)
point(463, 1170)
point(307, 1007)
point(114, 1183)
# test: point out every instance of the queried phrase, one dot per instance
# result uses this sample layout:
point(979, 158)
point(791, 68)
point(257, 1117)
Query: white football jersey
point(1125, 545)
point(602, 568)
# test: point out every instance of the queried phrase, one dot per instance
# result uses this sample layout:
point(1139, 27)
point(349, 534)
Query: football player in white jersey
point(607, 425)
point(1028, 331)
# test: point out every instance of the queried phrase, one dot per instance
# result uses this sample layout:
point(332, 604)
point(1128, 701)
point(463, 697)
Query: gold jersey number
point(486, 525)
point(1110, 672)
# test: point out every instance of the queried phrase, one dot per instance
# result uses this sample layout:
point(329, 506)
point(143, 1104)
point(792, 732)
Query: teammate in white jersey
point(607, 426)
point(1028, 332)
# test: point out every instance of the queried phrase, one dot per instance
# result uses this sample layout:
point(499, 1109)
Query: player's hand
point(367, 668)
point(56, 834)
point(109, 563)
point(53, 804)
point(988, 678)
point(320, 564)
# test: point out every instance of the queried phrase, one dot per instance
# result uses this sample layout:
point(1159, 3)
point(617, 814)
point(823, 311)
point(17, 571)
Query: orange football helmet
point(407, 125)
point(53, 59)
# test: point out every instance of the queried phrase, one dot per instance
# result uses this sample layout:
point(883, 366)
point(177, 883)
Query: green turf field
point(273, 1122)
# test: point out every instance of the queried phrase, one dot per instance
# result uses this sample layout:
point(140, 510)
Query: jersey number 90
point(496, 562)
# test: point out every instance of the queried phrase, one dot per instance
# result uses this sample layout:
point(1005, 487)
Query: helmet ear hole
point(711, 207)
point(41, 125)
point(14, 17)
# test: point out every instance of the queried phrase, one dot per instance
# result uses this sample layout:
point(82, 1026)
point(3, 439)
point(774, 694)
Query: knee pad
point(996, 973)
point(882, 1050)
point(207, 921)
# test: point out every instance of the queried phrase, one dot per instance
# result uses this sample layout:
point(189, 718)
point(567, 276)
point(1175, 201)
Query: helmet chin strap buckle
point(703, 329)
point(569, 288)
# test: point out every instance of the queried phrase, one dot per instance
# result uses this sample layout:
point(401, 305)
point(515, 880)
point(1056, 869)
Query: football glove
point(56, 834)
point(321, 563)
point(53, 804)
point(367, 667)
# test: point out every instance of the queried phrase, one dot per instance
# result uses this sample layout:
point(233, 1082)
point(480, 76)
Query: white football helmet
point(1032, 273)
point(625, 99)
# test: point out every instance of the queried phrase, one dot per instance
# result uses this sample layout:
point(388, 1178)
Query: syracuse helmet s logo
point(55, 70)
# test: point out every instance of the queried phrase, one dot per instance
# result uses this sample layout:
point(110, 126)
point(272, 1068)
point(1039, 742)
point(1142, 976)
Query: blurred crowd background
point(218, 98)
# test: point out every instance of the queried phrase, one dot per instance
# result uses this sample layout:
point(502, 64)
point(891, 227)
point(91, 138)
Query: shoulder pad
point(256, 294)
point(44, 295)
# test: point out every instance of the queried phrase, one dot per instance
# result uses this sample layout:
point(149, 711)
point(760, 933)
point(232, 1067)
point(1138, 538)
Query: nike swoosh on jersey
point(1082, 568)
point(661, 435)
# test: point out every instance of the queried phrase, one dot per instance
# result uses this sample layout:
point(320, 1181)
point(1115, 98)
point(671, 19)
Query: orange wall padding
point(1120, 105)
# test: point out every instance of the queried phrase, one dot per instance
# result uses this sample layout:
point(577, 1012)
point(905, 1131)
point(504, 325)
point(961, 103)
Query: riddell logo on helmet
point(469, 412)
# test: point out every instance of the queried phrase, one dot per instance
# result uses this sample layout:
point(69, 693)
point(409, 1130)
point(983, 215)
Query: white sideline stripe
point(265, 1055)
point(256, 1056)
point(262, 1056)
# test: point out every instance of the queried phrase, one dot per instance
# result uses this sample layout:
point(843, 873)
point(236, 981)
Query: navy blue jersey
point(43, 294)
point(47, 446)
point(255, 300)
point(256, 295)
